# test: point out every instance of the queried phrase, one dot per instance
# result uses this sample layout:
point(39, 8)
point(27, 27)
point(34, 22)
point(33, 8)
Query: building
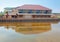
point(32, 9)
point(8, 9)
point(30, 12)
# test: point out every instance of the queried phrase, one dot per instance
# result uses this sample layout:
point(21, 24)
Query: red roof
point(33, 7)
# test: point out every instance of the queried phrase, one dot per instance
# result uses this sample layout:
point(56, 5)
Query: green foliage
point(1, 13)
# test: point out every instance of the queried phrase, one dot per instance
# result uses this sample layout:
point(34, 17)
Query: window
point(37, 15)
point(46, 11)
point(20, 11)
point(33, 16)
point(30, 11)
point(20, 15)
point(38, 11)
point(13, 16)
point(49, 11)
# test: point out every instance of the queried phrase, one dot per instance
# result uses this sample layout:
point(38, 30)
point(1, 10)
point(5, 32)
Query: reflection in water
point(28, 28)
point(14, 32)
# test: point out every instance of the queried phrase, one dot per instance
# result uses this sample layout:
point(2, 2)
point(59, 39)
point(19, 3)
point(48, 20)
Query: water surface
point(30, 32)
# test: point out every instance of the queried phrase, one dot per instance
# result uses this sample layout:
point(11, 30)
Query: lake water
point(30, 32)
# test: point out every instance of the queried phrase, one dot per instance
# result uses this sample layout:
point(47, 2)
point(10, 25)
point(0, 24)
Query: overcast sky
point(52, 4)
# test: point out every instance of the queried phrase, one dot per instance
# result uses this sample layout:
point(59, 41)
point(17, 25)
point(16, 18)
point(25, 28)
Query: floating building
point(28, 13)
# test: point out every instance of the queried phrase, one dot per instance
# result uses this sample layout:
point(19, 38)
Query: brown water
point(30, 32)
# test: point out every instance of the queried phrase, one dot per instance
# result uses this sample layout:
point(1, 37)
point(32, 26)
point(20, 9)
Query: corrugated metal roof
point(9, 8)
point(33, 7)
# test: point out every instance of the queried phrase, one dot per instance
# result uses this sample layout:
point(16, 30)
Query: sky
point(52, 4)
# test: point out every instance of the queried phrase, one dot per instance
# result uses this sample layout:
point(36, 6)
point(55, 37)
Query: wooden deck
point(31, 20)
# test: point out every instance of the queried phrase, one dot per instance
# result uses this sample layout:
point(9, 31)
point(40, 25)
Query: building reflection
point(29, 27)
